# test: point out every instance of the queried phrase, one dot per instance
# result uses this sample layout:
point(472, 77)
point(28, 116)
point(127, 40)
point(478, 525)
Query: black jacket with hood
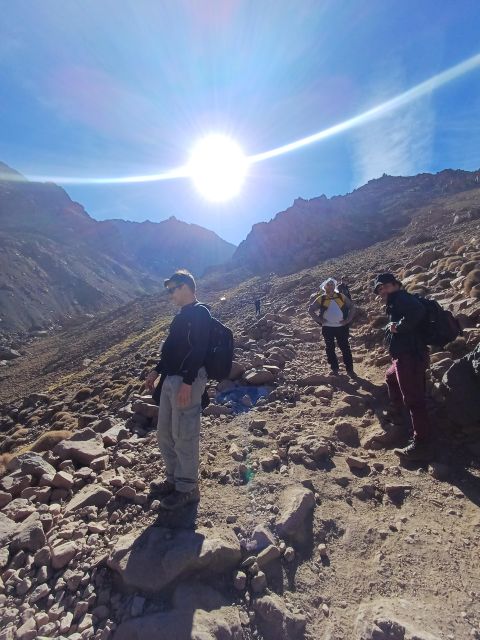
point(407, 312)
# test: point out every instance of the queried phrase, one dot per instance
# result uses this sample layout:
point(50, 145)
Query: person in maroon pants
point(410, 359)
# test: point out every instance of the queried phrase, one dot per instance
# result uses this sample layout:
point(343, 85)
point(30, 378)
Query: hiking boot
point(415, 450)
point(179, 499)
point(163, 488)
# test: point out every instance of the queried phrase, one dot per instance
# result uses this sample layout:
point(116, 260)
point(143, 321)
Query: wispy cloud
point(397, 144)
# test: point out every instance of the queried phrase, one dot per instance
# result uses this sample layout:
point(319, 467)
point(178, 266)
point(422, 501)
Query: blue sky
point(118, 87)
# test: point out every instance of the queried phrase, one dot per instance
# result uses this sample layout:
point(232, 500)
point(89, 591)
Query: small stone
point(356, 463)
point(62, 480)
point(325, 609)
point(259, 582)
point(269, 554)
point(322, 549)
point(239, 580)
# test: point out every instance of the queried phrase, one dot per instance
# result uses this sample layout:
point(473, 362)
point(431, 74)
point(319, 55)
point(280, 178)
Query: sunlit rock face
point(313, 230)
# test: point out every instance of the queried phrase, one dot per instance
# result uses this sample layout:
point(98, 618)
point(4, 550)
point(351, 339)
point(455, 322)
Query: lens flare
point(218, 166)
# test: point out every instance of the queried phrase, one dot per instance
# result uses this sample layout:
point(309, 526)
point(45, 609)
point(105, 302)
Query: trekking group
point(199, 347)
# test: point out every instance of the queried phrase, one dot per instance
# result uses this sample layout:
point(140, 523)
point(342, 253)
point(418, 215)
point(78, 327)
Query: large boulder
point(221, 624)
point(8, 354)
point(92, 495)
point(276, 622)
point(296, 506)
point(7, 527)
point(396, 619)
point(462, 385)
point(159, 556)
point(80, 451)
point(29, 534)
point(31, 463)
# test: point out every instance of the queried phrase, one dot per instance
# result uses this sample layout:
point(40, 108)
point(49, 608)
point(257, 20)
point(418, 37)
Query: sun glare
point(218, 167)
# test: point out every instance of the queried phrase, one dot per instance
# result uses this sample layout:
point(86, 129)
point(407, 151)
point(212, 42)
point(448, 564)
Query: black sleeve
point(199, 334)
point(412, 312)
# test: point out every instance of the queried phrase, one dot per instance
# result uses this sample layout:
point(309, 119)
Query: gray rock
point(268, 555)
point(19, 509)
point(296, 505)
point(80, 451)
point(7, 527)
point(91, 495)
point(153, 560)
point(5, 498)
point(276, 622)
point(63, 554)
point(263, 537)
point(259, 376)
point(347, 433)
point(395, 619)
point(31, 463)
point(15, 483)
point(221, 624)
point(30, 535)
point(8, 354)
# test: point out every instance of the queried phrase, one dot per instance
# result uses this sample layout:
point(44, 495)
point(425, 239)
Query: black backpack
point(440, 325)
point(219, 358)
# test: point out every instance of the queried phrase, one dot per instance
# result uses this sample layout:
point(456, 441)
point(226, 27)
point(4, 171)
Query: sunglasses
point(172, 289)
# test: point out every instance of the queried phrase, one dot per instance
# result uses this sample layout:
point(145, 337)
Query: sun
point(218, 167)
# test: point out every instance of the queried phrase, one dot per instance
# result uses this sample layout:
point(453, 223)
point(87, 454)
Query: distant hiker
point(343, 287)
point(410, 359)
point(333, 311)
point(257, 306)
point(181, 365)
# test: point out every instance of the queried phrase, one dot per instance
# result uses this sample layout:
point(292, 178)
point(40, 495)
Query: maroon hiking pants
point(406, 386)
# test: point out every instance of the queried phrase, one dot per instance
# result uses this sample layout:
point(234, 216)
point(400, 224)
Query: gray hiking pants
point(178, 431)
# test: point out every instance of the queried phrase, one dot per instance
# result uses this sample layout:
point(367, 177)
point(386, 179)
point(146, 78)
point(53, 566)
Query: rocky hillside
point(308, 527)
point(312, 230)
point(57, 262)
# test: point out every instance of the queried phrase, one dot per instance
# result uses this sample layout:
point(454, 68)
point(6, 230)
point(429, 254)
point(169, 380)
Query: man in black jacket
point(181, 365)
point(410, 359)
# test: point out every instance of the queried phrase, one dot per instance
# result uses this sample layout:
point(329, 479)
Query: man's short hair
point(181, 276)
point(385, 278)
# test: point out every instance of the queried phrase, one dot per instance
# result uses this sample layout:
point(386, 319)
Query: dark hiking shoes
point(414, 451)
point(163, 488)
point(179, 499)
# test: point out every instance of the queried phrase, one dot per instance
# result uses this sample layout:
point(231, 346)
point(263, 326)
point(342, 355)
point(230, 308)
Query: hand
point(343, 323)
point(393, 327)
point(150, 380)
point(184, 395)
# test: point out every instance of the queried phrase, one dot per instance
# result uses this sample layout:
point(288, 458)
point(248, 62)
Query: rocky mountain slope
point(308, 527)
point(58, 262)
point(320, 228)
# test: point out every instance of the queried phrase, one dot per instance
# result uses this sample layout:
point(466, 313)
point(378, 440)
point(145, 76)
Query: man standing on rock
point(182, 359)
point(333, 311)
point(410, 359)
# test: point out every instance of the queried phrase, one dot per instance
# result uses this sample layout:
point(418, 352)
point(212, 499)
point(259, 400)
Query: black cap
point(385, 278)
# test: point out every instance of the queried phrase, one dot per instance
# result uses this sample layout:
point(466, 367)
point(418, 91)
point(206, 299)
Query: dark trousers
point(406, 386)
point(341, 334)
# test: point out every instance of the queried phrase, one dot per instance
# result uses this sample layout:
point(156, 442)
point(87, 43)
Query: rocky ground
point(308, 527)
